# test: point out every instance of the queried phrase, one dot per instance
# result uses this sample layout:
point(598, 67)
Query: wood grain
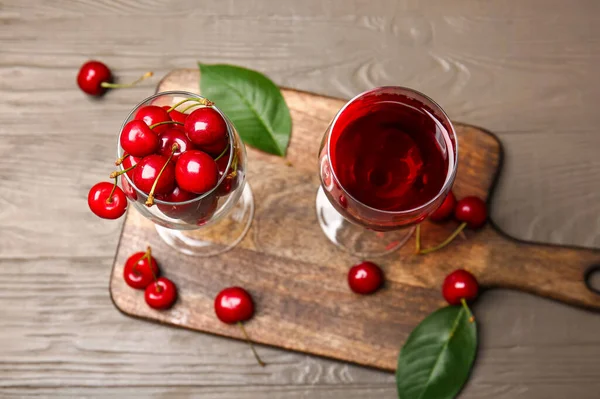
point(297, 277)
point(526, 70)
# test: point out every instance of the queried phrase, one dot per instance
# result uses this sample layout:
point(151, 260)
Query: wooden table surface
point(526, 70)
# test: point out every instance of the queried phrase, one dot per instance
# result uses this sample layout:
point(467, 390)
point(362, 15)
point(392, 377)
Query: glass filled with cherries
point(182, 165)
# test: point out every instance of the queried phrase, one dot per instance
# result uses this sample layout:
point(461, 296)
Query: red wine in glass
point(388, 160)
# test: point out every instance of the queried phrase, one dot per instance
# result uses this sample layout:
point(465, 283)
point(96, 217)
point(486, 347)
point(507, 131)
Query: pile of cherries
point(171, 156)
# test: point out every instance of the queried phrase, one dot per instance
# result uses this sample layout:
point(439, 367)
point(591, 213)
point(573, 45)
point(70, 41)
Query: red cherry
point(161, 294)
point(445, 210)
point(94, 78)
point(233, 305)
point(152, 114)
point(177, 195)
point(460, 284)
point(105, 207)
point(365, 278)
point(196, 213)
point(148, 170)
point(227, 185)
point(215, 148)
point(138, 139)
point(196, 172)
point(205, 126)
point(176, 115)
point(128, 189)
point(128, 162)
point(205, 210)
point(472, 211)
point(230, 183)
point(137, 272)
point(91, 76)
point(222, 164)
point(173, 136)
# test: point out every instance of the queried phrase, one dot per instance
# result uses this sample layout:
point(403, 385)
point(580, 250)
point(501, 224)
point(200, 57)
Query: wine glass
point(387, 160)
point(207, 224)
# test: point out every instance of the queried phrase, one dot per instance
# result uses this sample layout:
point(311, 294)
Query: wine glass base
point(355, 239)
point(218, 237)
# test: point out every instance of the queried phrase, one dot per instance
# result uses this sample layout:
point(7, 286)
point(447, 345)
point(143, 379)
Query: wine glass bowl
point(204, 224)
point(387, 160)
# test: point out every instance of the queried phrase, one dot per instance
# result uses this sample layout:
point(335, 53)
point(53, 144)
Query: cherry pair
point(470, 211)
point(141, 272)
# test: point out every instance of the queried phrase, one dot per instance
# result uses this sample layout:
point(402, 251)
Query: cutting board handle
point(554, 271)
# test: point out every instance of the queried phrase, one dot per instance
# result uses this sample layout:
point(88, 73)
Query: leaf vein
point(258, 116)
point(439, 356)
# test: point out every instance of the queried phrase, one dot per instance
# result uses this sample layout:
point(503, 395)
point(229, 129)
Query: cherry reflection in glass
point(200, 225)
point(386, 162)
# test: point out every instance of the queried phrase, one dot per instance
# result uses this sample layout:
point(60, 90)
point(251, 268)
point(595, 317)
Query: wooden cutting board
point(298, 278)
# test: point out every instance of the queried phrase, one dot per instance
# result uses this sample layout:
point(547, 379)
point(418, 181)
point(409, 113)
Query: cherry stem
point(116, 173)
point(120, 160)
point(150, 200)
point(418, 239)
point(234, 164)
point(446, 241)
point(165, 123)
point(200, 101)
point(260, 362)
point(109, 199)
point(463, 235)
point(148, 255)
point(109, 85)
point(223, 153)
point(464, 304)
point(190, 107)
point(144, 256)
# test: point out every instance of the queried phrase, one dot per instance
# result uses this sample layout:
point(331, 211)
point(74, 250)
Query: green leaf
point(436, 360)
point(253, 103)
